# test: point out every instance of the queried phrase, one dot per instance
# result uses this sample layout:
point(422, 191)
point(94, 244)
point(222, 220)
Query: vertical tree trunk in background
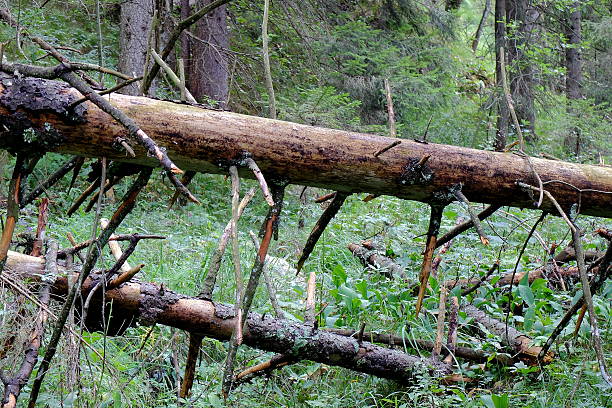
point(522, 17)
point(134, 25)
point(483, 21)
point(573, 63)
point(206, 61)
point(185, 42)
point(503, 114)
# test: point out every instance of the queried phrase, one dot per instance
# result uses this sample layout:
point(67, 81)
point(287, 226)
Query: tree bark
point(523, 17)
point(210, 141)
point(151, 304)
point(573, 62)
point(134, 27)
point(206, 56)
point(503, 113)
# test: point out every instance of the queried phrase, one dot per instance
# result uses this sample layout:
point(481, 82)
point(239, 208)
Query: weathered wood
point(150, 303)
point(210, 141)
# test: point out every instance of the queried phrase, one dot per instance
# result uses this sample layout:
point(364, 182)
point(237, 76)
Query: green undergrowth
point(139, 366)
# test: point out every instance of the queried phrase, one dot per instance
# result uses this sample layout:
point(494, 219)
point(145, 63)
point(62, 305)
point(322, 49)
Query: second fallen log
point(150, 304)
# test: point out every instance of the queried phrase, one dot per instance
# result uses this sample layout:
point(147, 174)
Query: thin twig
point(466, 225)
point(269, 284)
point(473, 216)
point(518, 261)
point(54, 178)
point(506, 89)
point(176, 81)
point(268, 227)
point(250, 163)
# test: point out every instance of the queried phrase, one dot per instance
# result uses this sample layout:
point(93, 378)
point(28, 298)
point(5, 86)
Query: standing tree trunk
point(503, 114)
point(483, 21)
point(205, 56)
point(523, 17)
point(135, 24)
point(573, 62)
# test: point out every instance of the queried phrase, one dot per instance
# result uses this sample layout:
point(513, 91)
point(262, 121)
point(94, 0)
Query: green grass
point(354, 295)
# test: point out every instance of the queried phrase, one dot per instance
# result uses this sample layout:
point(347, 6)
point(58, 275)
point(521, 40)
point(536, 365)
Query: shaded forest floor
point(139, 367)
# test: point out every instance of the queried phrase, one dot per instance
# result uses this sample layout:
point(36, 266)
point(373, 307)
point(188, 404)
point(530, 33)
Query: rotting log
point(149, 303)
point(511, 337)
point(210, 141)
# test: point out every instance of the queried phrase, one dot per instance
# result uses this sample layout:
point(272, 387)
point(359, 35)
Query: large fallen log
point(150, 303)
point(36, 114)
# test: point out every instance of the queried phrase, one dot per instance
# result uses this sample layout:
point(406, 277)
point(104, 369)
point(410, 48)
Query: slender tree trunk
point(503, 115)
point(483, 21)
point(573, 63)
point(135, 24)
point(206, 57)
point(523, 18)
point(185, 41)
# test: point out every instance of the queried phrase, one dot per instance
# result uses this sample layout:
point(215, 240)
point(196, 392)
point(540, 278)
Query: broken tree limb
point(435, 219)
point(151, 304)
point(381, 263)
point(329, 213)
point(207, 141)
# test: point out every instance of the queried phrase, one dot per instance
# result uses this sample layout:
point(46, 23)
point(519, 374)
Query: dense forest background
point(335, 64)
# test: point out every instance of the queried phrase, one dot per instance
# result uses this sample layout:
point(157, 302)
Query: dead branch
point(517, 341)
point(54, 178)
point(329, 213)
point(174, 36)
point(605, 271)
point(473, 217)
point(432, 233)
point(43, 213)
point(215, 261)
point(466, 225)
point(270, 223)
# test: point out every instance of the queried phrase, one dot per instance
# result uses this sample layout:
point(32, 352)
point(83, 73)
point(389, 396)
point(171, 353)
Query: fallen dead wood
point(210, 141)
point(149, 303)
point(519, 342)
point(467, 353)
point(368, 257)
point(387, 266)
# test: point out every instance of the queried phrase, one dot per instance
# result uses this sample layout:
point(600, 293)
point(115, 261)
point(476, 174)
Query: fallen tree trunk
point(150, 303)
point(35, 114)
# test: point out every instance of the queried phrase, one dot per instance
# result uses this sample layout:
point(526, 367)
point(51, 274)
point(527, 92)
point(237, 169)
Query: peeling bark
point(210, 141)
point(150, 304)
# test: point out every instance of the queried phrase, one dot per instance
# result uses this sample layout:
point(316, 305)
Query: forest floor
point(140, 367)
